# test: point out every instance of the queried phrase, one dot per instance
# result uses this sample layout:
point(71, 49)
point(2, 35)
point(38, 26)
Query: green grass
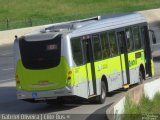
point(43, 11)
point(145, 107)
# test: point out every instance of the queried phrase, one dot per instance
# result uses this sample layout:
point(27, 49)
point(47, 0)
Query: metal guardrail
point(8, 24)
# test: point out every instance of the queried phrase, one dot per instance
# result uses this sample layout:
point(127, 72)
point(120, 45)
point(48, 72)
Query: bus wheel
point(140, 77)
point(102, 97)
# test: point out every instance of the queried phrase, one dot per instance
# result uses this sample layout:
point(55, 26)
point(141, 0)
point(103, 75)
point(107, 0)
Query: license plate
point(34, 94)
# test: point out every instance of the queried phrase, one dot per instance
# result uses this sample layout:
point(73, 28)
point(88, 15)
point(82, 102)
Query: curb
point(4, 81)
point(115, 110)
point(110, 113)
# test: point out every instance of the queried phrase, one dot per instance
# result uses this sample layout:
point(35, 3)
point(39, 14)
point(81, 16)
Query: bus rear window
point(41, 54)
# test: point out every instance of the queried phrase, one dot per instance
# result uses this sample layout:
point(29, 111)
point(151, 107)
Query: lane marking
point(6, 80)
point(5, 53)
point(7, 69)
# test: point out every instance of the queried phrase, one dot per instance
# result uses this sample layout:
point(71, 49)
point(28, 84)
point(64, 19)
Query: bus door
point(147, 49)
point(124, 56)
point(90, 68)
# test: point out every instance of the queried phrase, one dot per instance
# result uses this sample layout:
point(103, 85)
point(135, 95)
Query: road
point(6, 63)
point(82, 111)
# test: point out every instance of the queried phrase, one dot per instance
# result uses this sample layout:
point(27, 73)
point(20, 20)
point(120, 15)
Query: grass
point(144, 108)
point(64, 10)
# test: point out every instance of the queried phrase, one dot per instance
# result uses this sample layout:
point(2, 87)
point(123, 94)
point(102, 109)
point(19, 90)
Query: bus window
point(76, 50)
point(136, 36)
point(129, 40)
point(40, 54)
point(86, 50)
point(97, 47)
point(113, 44)
point(105, 45)
point(143, 34)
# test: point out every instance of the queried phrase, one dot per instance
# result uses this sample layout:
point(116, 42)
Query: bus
point(85, 59)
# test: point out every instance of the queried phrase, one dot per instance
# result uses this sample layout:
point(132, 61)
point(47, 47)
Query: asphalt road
point(6, 63)
point(81, 111)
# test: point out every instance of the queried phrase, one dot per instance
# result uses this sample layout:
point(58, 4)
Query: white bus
point(84, 59)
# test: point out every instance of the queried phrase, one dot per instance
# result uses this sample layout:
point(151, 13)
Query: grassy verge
point(47, 11)
point(145, 108)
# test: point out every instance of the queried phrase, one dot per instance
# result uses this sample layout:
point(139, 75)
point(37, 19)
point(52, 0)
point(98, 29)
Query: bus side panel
point(135, 60)
point(115, 73)
point(101, 68)
point(80, 82)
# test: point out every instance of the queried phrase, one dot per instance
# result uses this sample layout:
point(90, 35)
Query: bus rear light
point(17, 79)
point(70, 72)
point(69, 75)
point(69, 78)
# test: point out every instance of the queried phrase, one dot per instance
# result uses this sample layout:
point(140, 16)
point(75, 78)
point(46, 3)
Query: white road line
point(7, 69)
point(7, 53)
point(6, 80)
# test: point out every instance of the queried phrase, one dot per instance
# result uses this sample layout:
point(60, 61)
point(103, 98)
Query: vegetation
point(63, 10)
point(145, 108)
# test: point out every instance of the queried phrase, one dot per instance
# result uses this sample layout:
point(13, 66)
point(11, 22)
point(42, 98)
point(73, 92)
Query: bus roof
point(109, 24)
point(86, 26)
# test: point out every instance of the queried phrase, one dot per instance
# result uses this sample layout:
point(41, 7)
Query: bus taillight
point(17, 79)
point(70, 72)
point(69, 78)
point(69, 75)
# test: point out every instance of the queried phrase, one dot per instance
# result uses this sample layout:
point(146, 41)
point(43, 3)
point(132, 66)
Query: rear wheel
point(102, 97)
point(141, 79)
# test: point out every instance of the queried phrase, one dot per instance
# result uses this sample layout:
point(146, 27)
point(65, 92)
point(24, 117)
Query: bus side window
point(105, 45)
point(136, 37)
point(76, 51)
point(129, 39)
point(97, 47)
point(113, 44)
point(144, 35)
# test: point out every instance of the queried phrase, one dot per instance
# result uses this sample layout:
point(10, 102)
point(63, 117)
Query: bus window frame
point(92, 35)
point(140, 27)
point(82, 38)
point(132, 27)
point(118, 30)
point(129, 27)
point(81, 50)
point(116, 39)
point(108, 47)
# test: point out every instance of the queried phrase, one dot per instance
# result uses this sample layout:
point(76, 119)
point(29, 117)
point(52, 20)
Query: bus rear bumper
point(44, 95)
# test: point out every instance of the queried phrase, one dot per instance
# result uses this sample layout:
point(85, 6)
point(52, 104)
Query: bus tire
point(141, 79)
point(102, 97)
